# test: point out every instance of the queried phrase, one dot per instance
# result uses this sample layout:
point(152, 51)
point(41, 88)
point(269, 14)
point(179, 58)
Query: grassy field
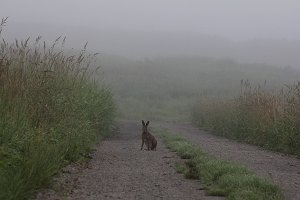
point(268, 118)
point(221, 178)
point(51, 113)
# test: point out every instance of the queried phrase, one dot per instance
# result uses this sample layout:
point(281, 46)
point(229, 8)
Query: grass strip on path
point(221, 178)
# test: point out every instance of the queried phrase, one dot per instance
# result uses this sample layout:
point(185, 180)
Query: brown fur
point(147, 138)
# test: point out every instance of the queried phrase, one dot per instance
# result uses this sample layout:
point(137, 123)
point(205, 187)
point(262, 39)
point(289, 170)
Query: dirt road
point(282, 169)
point(120, 170)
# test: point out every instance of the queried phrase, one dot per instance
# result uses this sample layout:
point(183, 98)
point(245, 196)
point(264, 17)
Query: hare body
point(147, 138)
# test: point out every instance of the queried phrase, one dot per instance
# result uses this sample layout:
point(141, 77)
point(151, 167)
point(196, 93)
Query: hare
point(147, 138)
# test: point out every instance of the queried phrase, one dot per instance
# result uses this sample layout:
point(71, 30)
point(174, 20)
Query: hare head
point(145, 126)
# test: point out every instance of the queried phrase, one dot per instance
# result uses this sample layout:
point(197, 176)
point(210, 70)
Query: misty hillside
point(188, 74)
point(167, 87)
point(139, 44)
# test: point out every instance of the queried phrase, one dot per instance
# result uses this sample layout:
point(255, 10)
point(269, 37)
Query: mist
point(80, 81)
point(248, 31)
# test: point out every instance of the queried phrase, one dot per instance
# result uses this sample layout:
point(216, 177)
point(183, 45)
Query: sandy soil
point(282, 169)
point(120, 170)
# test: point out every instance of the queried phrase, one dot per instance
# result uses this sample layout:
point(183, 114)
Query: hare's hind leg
point(154, 148)
point(154, 144)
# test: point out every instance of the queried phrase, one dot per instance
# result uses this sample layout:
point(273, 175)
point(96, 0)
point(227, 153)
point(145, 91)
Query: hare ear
point(147, 123)
point(143, 122)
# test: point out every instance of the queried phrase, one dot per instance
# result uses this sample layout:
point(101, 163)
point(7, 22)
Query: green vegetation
point(50, 115)
point(258, 116)
point(221, 178)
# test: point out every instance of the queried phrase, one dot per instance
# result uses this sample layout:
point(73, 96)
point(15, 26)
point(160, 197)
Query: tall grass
point(51, 112)
point(260, 116)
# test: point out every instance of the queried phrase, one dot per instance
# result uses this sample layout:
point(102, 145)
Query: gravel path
point(120, 170)
point(282, 169)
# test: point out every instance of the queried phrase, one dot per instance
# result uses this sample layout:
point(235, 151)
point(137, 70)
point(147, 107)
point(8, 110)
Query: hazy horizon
point(262, 31)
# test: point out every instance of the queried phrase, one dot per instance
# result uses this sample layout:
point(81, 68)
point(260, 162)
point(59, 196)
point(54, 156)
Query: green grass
point(258, 115)
point(51, 113)
point(221, 178)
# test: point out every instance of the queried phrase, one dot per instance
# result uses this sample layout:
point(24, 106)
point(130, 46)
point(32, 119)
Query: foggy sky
point(236, 19)
point(115, 22)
